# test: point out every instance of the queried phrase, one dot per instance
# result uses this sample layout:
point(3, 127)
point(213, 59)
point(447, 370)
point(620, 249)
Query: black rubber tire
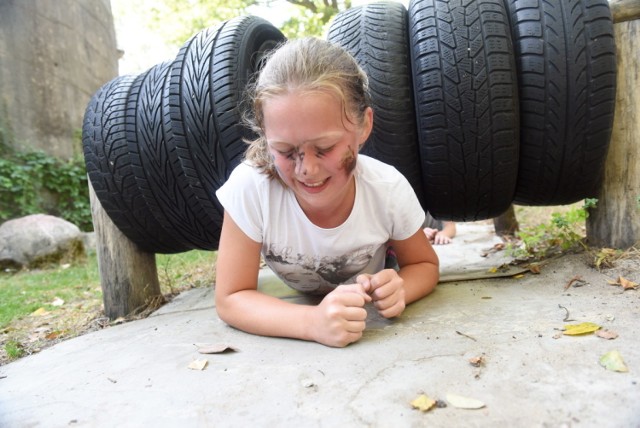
point(376, 35)
point(466, 94)
point(108, 165)
point(208, 78)
point(151, 165)
point(566, 58)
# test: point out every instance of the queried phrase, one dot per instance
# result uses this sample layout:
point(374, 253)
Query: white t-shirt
point(309, 258)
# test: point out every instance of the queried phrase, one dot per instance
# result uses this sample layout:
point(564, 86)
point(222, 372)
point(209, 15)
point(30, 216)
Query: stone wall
point(54, 55)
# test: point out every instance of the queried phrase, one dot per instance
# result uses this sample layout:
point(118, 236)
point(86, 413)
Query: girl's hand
point(341, 317)
point(386, 289)
point(441, 239)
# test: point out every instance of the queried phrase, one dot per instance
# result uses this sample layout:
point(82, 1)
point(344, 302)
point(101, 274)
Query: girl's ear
point(367, 125)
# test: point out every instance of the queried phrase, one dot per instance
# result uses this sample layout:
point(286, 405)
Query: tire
point(376, 35)
point(208, 78)
point(156, 176)
point(109, 168)
point(466, 96)
point(566, 59)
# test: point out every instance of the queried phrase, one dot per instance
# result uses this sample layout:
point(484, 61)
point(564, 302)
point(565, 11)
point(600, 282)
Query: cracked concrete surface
point(136, 374)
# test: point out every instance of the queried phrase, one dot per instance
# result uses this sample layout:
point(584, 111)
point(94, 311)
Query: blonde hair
point(307, 64)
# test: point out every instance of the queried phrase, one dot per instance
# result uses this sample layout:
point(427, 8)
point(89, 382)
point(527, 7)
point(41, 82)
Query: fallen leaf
point(57, 302)
point(423, 403)
point(198, 364)
point(577, 279)
point(606, 334)
point(518, 276)
point(613, 361)
point(216, 349)
point(626, 284)
point(582, 328)
point(39, 312)
point(461, 402)
point(493, 270)
point(534, 268)
point(476, 361)
point(54, 335)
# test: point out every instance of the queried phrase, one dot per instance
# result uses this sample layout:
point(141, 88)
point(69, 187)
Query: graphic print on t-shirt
point(316, 273)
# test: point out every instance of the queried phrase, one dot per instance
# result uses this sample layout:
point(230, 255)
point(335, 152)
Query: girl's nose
point(306, 165)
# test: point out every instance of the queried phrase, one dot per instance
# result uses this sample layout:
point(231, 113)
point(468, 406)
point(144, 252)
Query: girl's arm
point(337, 321)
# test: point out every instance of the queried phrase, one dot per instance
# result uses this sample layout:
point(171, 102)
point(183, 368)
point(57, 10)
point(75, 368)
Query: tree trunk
point(128, 275)
point(615, 222)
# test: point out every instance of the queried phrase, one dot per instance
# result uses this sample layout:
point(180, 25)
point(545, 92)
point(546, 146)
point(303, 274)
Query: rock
point(38, 240)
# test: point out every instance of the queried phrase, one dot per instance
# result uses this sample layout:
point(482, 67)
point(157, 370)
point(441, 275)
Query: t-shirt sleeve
point(406, 212)
point(241, 196)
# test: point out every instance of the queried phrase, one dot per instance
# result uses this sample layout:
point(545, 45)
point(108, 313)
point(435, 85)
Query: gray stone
point(38, 240)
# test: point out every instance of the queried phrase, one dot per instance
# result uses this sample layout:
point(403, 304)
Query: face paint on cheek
point(349, 161)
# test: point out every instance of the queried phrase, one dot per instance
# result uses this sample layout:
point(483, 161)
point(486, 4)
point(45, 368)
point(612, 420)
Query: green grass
point(24, 292)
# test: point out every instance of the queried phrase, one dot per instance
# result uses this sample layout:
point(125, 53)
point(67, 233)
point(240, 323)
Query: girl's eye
point(325, 150)
point(288, 154)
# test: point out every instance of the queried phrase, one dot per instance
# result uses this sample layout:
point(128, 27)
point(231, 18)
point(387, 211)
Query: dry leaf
point(606, 334)
point(461, 402)
point(215, 349)
point(613, 361)
point(493, 270)
point(578, 329)
point(57, 302)
point(476, 361)
point(198, 364)
point(534, 268)
point(423, 403)
point(626, 284)
point(518, 276)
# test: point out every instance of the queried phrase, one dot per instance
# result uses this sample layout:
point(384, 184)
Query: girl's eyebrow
point(327, 136)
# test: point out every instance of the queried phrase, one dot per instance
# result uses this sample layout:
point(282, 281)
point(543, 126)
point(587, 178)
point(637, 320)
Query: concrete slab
point(136, 374)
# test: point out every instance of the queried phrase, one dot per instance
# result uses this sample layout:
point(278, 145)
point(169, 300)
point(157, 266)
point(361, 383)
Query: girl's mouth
point(314, 186)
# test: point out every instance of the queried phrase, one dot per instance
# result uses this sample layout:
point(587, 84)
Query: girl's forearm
point(258, 313)
point(420, 279)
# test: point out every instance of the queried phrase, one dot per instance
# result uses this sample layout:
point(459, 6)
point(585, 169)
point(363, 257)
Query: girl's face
point(314, 147)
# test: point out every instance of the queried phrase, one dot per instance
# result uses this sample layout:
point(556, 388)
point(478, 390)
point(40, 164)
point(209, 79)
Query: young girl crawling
point(320, 214)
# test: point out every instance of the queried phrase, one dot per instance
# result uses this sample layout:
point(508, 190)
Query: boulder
point(38, 240)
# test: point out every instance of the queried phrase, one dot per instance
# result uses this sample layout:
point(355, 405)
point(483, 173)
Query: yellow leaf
point(39, 312)
point(493, 270)
point(461, 402)
point(583, 328)
point(198, 364)
point(518, 276)
point(613, 361)
point(423, 403)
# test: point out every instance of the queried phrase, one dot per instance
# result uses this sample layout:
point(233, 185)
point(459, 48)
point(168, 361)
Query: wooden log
point(615, 222)
point(128, 275)
point(624, 10)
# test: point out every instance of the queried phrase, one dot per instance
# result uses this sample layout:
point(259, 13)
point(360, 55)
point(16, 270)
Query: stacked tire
point(513, 100)
point(479, 103)
point(158, 145)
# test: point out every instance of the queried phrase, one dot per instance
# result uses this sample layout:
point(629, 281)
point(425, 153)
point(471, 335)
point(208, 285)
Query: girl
point(321, 215)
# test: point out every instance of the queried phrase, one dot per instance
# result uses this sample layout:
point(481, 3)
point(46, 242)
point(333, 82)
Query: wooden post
point(615, 222)
point(128, 275)
point(506, 223)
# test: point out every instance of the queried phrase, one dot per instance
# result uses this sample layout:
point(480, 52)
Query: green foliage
point(564, 232)
point(175, 21)
point(34, 182)
point(14, 349)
